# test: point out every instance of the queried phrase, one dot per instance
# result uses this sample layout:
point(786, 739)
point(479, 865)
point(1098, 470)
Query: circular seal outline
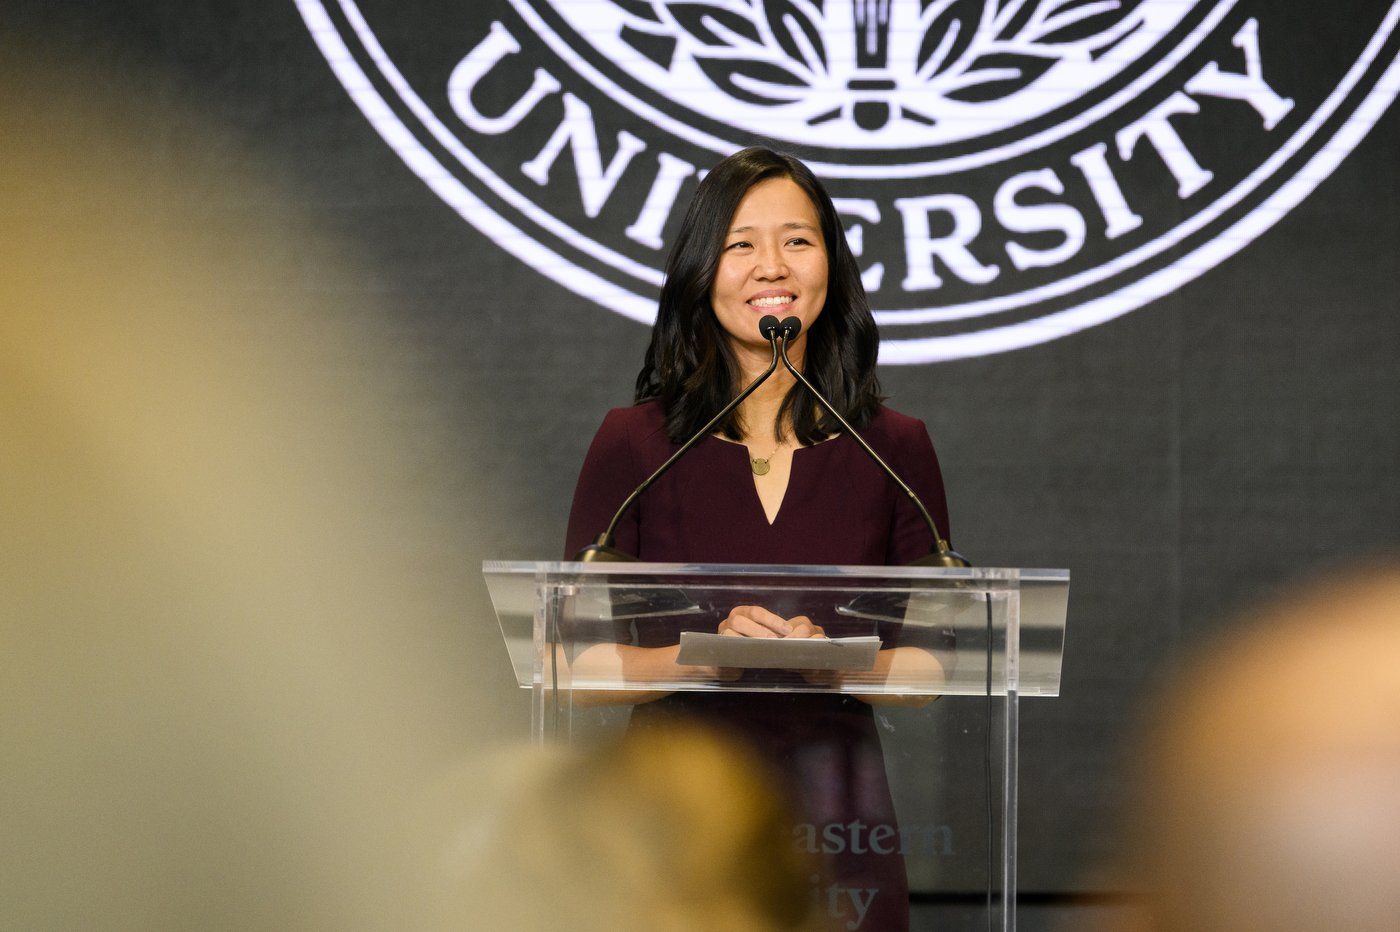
point(913, 170)
point(594, 287)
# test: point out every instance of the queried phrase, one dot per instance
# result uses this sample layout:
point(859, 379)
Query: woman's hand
point(757, 622)
point(754, 621)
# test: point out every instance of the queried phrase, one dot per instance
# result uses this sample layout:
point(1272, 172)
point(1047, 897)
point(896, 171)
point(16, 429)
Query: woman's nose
point(770, 265)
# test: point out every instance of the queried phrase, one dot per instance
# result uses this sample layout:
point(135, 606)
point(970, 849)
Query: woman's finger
point(754, 621)
point(773, 622)
point(744, 626)
point(802, 627)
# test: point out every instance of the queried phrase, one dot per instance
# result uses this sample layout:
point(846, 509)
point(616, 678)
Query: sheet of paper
point(718, 650)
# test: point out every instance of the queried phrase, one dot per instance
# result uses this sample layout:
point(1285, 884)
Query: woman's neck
point(760, 409)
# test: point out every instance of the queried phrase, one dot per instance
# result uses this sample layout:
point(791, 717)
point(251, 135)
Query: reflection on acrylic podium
point(893, 787)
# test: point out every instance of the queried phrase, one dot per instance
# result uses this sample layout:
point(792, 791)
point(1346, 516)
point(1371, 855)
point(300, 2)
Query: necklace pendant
point(760, 467)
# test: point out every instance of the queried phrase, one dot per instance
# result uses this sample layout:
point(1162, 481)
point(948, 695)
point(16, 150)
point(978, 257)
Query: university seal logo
point(1011, 171)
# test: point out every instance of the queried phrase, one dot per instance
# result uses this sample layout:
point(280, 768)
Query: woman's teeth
point(771, 302)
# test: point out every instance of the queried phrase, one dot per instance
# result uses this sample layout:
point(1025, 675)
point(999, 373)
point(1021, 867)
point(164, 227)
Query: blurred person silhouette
point(1269, 795)
point(232, 627)
point(674, 830)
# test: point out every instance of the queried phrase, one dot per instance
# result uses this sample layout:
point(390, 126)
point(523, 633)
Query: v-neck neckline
point(753, 485)
point(756, 500)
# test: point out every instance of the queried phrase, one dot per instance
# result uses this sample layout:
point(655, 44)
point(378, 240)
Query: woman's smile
point(771, 299)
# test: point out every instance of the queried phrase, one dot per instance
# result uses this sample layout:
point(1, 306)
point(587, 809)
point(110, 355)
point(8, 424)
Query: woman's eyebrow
point(790, 225)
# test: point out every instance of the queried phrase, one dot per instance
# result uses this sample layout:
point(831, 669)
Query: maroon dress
point(839, 509)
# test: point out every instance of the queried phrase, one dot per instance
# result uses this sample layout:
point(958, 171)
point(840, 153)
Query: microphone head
point(791, 328)
point(768, 326)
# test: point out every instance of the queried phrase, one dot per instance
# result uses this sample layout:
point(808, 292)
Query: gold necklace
point(760, 466)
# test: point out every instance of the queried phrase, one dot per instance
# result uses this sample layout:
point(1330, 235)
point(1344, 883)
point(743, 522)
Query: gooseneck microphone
point(602, 549)
point(941, 555)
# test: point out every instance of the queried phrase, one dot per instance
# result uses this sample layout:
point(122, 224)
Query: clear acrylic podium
point(899, 636)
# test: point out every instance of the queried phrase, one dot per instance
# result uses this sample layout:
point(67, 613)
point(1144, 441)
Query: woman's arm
point(914, 458)
point(909, 451)
point(899, 665)
point(895, 666)
point(616, 665)
point(608, 476)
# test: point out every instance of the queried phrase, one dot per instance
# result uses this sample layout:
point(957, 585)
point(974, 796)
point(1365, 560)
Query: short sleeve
point(915, 461)
point(608, 476)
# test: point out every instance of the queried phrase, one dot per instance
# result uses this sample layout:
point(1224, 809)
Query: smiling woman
point(778, 483)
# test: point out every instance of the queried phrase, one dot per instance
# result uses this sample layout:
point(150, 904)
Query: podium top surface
point(976, 573)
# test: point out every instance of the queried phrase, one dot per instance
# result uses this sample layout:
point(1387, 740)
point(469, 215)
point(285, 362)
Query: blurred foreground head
point(232, 629)
point(1272, 783)
point(673, 830)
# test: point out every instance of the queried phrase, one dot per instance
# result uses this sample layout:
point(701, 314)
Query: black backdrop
point(1191, 456)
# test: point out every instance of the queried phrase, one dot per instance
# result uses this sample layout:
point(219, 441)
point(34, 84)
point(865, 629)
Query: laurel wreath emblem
point(874, 53)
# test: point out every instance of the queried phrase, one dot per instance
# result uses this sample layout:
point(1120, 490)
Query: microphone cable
point(987, 769)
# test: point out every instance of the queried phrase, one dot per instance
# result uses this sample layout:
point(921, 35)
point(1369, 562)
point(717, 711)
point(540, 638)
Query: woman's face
point(773, 262)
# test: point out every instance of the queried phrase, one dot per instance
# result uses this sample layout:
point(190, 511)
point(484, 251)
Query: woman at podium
point(778, 482)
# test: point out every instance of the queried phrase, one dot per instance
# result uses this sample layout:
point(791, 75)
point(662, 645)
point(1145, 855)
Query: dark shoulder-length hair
point(691, 368)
